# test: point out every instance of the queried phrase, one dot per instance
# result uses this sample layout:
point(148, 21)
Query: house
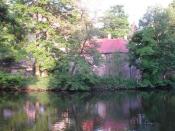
point(115, 59)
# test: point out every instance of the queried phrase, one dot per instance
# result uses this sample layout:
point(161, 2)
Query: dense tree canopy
point(53, 33)
point(116, 22)
point(11, 35)
point(152, 48)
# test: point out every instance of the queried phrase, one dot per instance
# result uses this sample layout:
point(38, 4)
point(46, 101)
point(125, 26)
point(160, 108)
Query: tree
point(54, 34)
point(116, 22)
point(152, 48)
point(10, 36)
point(47, 24)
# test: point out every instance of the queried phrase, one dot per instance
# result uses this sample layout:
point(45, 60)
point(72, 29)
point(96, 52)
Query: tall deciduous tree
point(116, 22)
point(11, 35)
point(152, 48)
point(56, 34)
point(48, 25)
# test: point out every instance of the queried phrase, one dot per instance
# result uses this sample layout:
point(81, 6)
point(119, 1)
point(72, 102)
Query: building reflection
point(32, 111)
point(99, 115)
point(127, 116)
point(62, 124)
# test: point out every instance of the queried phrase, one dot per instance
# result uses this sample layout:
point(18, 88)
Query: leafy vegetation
point(77, 82)
point(11, 35)
point(11, 81)
point(116, 22)
point(116, 82)
point(53, 35)
point(152, 48)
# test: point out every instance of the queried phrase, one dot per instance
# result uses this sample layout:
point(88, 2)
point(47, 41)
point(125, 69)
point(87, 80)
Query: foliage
point(116, 82)
point(11, 35)
point(43, 56)
point(116, 22)
point(11, 81)
point(57, 32)
point(152, 48)
point(45, 25)
point(72, 83)
point(53, 34)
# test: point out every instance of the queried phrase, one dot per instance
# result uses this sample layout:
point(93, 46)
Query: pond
point(117, 111)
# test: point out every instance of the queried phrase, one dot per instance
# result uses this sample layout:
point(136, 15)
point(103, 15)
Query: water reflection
point(121, 111)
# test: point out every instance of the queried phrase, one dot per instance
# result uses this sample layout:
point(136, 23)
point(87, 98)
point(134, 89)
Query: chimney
point(109, 35)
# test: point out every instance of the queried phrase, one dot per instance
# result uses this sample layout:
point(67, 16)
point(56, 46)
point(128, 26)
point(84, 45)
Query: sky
point(134, 8)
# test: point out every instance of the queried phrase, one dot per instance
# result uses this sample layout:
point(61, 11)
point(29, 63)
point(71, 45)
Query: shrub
point(116, 82)
point(65, 81)
point(10, 80)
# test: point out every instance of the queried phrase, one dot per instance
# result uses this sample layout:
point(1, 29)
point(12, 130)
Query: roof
point(105, 46)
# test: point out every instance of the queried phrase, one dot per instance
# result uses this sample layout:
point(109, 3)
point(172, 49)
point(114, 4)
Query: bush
point(116, 83)
point(8, 80)
point(65, 81)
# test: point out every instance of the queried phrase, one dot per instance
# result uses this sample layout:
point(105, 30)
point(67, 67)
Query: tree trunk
point(37, 70)
point(72, 72)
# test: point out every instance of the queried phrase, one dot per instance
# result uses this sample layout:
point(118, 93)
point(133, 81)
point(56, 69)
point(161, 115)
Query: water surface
point(119, 111)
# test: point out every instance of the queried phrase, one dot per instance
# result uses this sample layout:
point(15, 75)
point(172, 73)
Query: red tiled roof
point(112, 45)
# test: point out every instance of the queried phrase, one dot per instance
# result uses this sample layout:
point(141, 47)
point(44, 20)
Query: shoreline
point(29, 89)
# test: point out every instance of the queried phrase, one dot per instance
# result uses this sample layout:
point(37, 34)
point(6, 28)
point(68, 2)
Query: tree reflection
point(88, 112)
